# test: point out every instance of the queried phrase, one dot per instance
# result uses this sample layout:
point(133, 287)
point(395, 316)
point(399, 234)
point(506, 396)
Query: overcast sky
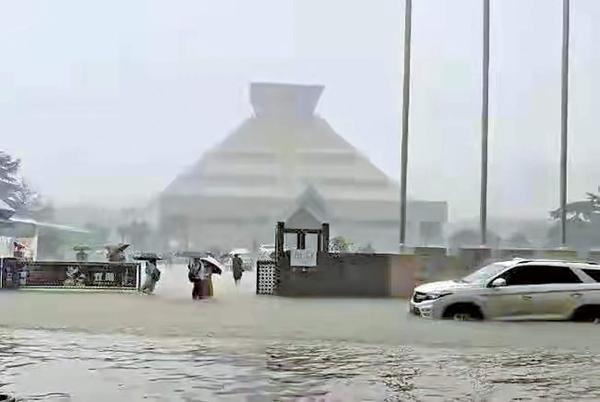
point(107, 101)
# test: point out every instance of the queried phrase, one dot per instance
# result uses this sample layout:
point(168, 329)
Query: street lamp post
point(405, 119)
point(485, 89)
point(564, 120)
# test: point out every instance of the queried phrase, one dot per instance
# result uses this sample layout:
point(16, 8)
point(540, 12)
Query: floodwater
point(165, 347)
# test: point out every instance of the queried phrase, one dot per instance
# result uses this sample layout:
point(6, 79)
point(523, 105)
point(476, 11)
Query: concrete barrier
point(338, 275)
point(510, 253)
point(404, 274)
point(594, 255)
point(560, 254)
point(15, 274)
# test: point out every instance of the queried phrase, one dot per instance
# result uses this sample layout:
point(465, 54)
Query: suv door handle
point(526, 297)
point(576, 295)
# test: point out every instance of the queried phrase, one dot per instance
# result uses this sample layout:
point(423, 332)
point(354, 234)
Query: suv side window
point(593, 273)
point(539, 275)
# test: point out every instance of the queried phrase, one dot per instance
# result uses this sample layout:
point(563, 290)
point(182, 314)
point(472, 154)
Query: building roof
point(310, 211)
point(272, 99)
point(6, 211)
point(281, 151)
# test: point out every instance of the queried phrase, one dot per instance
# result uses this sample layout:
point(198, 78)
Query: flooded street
point(125, 347)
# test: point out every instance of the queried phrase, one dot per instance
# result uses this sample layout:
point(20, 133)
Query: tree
point(580, 211)
point(583, 223)
point(340, 244)
point(14, 191)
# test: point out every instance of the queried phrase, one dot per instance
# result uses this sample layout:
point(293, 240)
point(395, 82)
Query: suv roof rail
point(578, 262)
point(519, 260)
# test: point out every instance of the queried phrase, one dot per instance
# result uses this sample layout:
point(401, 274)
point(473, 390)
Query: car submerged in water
point(515, 290)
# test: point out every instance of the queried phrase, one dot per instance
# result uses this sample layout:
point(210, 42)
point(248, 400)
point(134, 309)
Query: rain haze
point(106, 103)
point(207, 200)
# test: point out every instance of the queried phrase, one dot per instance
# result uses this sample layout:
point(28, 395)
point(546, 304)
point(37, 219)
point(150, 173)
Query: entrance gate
point(268, 271)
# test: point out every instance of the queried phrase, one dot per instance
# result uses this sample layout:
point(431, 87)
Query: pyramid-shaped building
point(284, 155)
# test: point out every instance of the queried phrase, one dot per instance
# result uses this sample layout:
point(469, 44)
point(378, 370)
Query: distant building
point(281, 158)
point(26, 232)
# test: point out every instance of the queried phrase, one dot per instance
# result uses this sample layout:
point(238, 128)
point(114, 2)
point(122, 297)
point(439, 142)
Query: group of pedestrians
point(200, 272)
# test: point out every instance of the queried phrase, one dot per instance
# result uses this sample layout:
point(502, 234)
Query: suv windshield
point(484, 274)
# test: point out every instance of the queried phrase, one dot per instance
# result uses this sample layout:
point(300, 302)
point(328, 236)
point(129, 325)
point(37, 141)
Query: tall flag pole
point(405, 119)
point(485, 89)
point(564, 129)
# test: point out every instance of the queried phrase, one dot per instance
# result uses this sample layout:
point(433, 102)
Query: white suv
point(515, 290)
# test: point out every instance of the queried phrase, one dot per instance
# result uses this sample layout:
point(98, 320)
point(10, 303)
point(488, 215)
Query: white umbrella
point(214, 262)
point(239, 251)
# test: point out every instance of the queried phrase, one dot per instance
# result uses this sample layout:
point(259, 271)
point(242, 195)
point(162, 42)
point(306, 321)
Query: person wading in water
point(195, 276)
point(238, 268)
point(152, 276)
point(212, 266)
point(200, 272)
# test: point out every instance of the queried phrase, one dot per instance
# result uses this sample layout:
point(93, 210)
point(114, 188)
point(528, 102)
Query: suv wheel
point(463, 312)
point(589, 313)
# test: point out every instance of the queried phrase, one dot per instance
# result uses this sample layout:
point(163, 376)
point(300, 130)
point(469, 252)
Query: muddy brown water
point(127, 347)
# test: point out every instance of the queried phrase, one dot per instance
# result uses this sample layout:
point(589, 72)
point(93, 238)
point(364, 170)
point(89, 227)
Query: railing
point(267, 277)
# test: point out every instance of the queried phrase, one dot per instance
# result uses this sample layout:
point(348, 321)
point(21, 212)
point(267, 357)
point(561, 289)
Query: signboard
point(9, 273)
point(19, 274)
point(303, 258)
point(6, 246)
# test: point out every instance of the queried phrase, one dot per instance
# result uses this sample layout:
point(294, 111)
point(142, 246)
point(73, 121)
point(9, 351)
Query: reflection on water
point(42, 365)
point(241, 347)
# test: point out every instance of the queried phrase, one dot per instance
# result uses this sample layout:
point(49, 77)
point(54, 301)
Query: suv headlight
point(435, 296)
point(419, 297)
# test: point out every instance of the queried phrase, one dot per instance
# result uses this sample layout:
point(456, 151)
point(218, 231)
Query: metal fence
point(15, 274)
point(267, 277)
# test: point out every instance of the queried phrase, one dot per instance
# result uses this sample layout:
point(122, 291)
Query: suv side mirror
point(498, 283)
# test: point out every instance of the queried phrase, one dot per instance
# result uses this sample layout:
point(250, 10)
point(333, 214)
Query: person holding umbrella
point(116, 253)
point(209, 266)
point(212, 266)
point(195, 275)
point(152, 272)
point(201, 267)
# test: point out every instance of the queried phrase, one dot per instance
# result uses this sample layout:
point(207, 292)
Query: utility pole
point(405, 119)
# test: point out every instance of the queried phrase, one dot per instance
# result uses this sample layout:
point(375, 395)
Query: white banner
point(303, 258)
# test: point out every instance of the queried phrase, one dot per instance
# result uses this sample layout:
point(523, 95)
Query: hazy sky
point(130, 92)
